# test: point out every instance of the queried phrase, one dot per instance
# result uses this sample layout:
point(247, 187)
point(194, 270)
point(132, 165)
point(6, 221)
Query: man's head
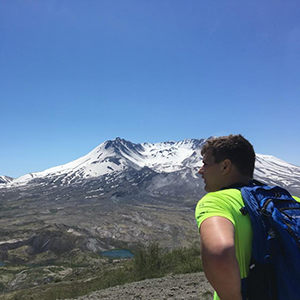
point(227, 160)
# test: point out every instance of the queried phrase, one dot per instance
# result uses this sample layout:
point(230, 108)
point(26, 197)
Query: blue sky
point(77, 73)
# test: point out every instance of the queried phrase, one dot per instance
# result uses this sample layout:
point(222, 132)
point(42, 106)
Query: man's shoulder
point(222, 199)
point(224, 203)
point(225, 200)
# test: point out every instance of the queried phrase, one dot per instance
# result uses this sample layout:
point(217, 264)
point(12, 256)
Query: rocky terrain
point(180, 287)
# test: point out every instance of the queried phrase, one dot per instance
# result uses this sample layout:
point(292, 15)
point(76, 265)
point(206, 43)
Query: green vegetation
point(153, 261)
point(150, 261)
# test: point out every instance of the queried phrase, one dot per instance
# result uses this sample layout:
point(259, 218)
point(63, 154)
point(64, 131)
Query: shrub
point(149, 261)
point(154, 261)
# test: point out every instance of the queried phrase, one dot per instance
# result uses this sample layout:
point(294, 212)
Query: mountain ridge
point(119, 155)
point(116, 155)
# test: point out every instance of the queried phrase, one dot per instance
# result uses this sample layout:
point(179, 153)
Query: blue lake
point(2, 264)
point(122, 253)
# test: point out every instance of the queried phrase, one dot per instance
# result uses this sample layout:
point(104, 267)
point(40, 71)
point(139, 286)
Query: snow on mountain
point(5, 179)
point(275, 171)
point(118, 155)
point(172, 156)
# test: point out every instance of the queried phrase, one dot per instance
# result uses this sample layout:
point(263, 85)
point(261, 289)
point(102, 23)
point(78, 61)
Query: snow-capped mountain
point(118, 155)
point(275, 171)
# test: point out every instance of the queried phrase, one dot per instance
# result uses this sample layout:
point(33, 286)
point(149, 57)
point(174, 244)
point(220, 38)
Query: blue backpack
point(275, 264)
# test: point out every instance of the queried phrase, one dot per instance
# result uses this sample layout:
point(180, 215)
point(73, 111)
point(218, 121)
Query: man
point(226, 234)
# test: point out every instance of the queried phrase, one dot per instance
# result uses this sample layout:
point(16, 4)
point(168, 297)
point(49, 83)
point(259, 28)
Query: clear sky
point(76, 73)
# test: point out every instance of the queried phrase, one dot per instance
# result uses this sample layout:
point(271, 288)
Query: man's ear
point(226, 166)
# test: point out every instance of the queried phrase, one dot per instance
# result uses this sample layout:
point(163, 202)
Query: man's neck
point(237, 181)
point(235, 185)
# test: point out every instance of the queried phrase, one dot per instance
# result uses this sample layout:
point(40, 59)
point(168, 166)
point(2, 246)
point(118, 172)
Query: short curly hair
point(233, 147)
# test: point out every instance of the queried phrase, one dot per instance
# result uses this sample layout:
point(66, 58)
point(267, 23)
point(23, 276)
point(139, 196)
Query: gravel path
point(180, 287)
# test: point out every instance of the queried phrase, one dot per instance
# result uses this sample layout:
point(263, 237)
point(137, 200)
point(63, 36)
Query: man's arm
point(218, 257)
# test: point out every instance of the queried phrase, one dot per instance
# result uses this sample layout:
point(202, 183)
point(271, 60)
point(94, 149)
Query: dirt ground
point(180, 287)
